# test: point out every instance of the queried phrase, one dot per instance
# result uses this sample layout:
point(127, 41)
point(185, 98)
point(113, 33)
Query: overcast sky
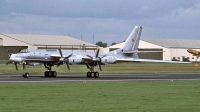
point(109, 20)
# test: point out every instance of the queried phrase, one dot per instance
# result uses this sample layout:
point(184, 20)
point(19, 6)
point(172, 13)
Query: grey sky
point(109, 20)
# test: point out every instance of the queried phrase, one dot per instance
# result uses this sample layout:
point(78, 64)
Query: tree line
point(102, 44)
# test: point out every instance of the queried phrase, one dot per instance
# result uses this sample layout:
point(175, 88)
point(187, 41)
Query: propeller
point(16, 67)
point(63, 60)
point(97, 60)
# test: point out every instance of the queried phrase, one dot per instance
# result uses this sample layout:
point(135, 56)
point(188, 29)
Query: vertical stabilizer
point(132, 41)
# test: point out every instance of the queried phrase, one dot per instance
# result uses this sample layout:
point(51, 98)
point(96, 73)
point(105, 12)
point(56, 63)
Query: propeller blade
point(99, 67)
point(103, 56)
point(89, 56)
point(16, 66)
point(60, 53)
point(67, 66)
point(97, 53)
point(68, 56)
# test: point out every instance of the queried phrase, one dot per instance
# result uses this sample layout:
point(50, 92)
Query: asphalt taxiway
point(103, 77)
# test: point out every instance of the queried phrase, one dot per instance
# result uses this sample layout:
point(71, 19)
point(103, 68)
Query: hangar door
point(153, 55)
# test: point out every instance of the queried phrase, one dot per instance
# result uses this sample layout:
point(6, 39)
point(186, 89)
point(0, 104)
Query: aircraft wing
point(36, 60)
point(149, 60)
point(87, 59)
point(56, 55)
point(142, 51)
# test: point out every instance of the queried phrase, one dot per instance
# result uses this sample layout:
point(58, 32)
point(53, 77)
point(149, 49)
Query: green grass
point(163, 96)
point(120, 68)
point(145, 96)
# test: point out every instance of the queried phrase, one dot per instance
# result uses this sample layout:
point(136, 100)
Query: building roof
point(174, 43)
point(47, 39)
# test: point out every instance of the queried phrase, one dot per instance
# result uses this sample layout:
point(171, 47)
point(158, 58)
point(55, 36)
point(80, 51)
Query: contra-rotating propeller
point(63, 59)
point(97, 60)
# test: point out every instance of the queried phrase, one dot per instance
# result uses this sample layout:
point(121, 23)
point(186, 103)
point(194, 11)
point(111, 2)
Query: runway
point(7, 78)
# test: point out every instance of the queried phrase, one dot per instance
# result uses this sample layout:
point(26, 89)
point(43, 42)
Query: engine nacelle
point(105, 61)
point(75, 61)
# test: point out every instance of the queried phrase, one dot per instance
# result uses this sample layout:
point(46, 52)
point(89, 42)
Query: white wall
point(178, 53)
point(142, 45)
point(106, 50)
point(12, 42)
point(166, 54)
point(5, 41)
point(146, 45)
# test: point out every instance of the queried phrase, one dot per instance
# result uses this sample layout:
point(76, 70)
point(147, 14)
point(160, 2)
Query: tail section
point(132, 42)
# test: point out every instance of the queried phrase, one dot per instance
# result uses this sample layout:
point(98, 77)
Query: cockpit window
point(24, 51)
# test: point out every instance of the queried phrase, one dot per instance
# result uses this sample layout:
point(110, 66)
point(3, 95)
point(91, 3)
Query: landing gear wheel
point(88, 74)
point(54, 73)
point(50, 73)
point(26, 75)
point(97, 74)
point(46, 73)
point(92, 74)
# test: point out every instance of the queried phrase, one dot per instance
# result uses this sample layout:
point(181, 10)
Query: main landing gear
point(49, 73)
point(25, 74)
point(91, 73)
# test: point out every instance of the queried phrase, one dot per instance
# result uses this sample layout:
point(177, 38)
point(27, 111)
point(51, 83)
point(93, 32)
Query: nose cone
point(15, 58)
point(189, 50)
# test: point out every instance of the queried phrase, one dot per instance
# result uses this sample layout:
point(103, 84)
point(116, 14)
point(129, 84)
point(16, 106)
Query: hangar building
point(173, 49)
point(16, 42)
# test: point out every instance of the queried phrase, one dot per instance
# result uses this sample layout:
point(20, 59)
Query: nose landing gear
point(25, 74)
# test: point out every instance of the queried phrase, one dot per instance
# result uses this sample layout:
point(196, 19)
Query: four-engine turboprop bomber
point(128, 53)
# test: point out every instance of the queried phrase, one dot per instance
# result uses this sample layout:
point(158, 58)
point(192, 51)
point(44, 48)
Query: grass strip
point(155, 96)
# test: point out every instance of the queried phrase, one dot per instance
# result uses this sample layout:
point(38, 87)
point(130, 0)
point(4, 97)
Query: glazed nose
point(15, 58)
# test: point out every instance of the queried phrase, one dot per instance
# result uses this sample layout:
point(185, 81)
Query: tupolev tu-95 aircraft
point(128, 53)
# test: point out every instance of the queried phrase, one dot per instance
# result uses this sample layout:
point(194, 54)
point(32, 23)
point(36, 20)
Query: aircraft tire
point(26, 75)
point(97, 74)
point(50, 73)
point(46, 73)
point(54, 73)
point(88, 74)
point(92, 74)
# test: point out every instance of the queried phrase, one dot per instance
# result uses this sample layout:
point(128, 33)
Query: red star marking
point(133, 40)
